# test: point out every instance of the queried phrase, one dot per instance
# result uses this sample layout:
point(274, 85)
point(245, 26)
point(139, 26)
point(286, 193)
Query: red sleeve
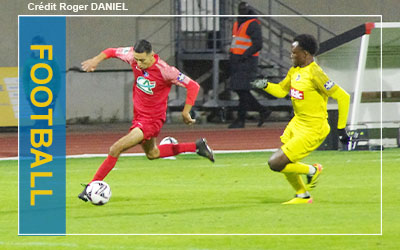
point(192, 91)
point(110, 52)
point(123, 53)
point(174, 76)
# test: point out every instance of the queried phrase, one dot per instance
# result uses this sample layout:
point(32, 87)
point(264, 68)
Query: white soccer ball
point(98, 192)
point(168, 140)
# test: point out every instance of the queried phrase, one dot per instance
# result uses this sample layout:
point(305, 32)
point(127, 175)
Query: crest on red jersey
point(145, 85)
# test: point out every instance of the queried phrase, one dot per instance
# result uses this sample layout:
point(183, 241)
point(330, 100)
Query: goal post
point(365, 61)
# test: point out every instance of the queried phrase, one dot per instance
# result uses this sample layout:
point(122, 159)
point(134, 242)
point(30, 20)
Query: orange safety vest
point(240, 40)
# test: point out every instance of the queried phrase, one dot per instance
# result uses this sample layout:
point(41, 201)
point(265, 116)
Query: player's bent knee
point(275, 165)
point(114, 151)
point(152, 155)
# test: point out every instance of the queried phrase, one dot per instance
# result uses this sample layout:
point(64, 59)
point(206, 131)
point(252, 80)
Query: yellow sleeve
point(281, 89)
point(343, 100)
point(330, 88)
point(322, 82)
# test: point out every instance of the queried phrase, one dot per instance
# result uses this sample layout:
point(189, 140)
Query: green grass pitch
point(236, 195)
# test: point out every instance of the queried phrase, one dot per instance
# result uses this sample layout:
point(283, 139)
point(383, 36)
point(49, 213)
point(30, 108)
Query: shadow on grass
point(257, 202)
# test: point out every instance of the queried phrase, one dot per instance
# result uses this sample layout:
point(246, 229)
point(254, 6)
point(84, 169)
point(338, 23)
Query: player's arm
point(343, 100)
point(187, 119)
point(278, 90)
point(174, 76)
point(192, 89)
point(123, 53)
point(330, 88)
point(333, 90)
point(90, 65)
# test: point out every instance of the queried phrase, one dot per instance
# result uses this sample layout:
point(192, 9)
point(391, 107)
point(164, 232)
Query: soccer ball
point(168, 140)
point(98, 192)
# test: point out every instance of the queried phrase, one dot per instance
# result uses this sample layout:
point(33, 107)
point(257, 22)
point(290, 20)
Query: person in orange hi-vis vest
point(244, 52)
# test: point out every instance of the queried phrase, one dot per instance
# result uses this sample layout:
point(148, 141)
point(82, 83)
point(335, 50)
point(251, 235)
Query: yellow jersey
point(309, 89)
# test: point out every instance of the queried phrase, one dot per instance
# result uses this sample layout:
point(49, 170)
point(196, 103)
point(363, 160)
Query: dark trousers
point(247, 102)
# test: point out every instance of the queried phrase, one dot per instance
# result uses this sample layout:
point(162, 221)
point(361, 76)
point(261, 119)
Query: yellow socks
point(297, 182)
point(297, 167)
point(293, 172)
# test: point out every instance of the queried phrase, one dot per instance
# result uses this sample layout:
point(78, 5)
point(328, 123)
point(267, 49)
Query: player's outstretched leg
point(83, 196)
point(204, 150)
point(313, 179)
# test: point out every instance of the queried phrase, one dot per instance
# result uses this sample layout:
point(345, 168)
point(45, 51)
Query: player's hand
point(89, 65)
point(343, 136)
point(259, 83)
point(187, 119)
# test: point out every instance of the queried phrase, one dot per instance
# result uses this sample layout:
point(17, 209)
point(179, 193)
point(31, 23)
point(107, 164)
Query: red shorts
point(150, 128)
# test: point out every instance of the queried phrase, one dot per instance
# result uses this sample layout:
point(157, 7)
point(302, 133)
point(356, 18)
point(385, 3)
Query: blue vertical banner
point(41, 204)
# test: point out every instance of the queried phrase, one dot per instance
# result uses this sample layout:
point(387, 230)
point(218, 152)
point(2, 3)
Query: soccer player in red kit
point(153, 79)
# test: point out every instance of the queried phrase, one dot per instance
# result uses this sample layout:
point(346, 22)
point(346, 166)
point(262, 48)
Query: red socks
point(174, 149)
point(105, 168)
point(165, 151)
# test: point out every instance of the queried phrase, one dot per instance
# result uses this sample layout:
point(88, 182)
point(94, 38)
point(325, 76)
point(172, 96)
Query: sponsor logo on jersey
point(181, 77)
point(145, 85)
point(296, 94)
point(298, 77)
point(329, 84)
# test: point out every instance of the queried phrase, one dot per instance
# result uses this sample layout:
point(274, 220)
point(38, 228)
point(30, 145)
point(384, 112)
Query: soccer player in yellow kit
point(309, 89)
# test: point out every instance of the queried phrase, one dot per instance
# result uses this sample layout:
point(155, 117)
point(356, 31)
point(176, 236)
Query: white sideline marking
point(47, 244)
point(50, 244)
point(9, 159)
point(142, 154)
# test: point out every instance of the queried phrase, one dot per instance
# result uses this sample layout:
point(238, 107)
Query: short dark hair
point(308, 43)
point(143, 46)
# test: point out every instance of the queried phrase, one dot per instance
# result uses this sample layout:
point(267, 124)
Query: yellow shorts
point(300, 139)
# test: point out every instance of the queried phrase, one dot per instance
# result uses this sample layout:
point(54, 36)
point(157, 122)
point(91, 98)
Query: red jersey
point(151, 86)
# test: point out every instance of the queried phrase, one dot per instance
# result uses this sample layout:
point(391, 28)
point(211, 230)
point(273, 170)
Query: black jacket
point(244, 67)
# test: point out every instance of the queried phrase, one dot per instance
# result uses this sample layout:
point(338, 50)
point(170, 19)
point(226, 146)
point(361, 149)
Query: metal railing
point(201, 34)
point(200, 37)
point(165, 23)
point(320, 28)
